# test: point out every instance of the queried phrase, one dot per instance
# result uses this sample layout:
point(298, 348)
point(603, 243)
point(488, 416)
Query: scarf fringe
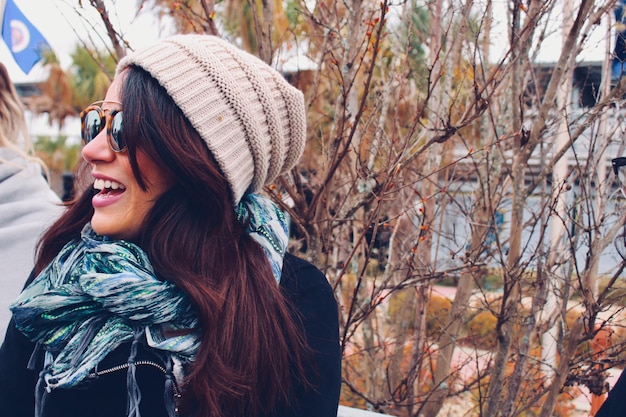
point(32, 362)
point(41, 395)
point(171, 394)
point(134, 393)
point(41, 390)
point(92, 329)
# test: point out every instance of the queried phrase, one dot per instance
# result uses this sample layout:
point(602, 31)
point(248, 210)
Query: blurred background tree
point(431, 162)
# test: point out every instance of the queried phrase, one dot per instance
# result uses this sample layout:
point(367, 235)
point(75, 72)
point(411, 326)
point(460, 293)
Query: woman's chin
point(111, 229)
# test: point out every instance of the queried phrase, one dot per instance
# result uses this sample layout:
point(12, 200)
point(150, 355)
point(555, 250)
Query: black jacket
point(105, 395)
point(615, 403)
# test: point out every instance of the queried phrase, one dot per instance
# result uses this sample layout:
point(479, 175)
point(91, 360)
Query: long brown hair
point(13, 129)
point(251, 350)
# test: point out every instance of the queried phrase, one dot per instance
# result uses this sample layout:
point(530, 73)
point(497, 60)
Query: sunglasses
point(619, 168)
point(93, 120)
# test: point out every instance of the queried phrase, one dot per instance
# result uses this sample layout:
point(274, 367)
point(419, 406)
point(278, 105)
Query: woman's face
point(120, 205)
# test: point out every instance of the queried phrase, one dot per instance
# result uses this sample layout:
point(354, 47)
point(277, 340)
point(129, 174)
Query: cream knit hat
point(252, 120)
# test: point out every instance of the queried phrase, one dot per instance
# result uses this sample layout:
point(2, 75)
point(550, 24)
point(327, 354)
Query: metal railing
point(355, 412)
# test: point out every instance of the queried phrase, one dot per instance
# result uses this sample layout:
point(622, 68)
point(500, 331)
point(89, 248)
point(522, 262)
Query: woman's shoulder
point(308, 289)
point(23, 181)
point(301, 275)
point(12, 163)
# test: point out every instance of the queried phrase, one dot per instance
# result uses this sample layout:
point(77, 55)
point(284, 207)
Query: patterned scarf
point(268, 226)
point(99, 293)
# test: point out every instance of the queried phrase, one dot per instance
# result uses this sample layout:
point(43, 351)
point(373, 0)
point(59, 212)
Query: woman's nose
point(98, 149)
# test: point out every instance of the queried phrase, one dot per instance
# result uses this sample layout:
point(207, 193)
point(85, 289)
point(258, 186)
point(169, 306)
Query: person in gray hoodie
point(27, 203)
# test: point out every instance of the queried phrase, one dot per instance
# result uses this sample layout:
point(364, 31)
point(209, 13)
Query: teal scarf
point(99, 293)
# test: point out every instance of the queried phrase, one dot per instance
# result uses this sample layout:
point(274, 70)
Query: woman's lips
point(110, 191)
point(105, 198)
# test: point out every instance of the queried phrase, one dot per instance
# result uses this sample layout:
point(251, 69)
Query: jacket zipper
point(126, 366)
point(177, 393)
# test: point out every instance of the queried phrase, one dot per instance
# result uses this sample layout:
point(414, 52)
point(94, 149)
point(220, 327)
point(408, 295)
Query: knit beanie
point(252, 120)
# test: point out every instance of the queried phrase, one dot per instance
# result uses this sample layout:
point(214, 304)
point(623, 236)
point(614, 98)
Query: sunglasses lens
point(117, 143)
point(92, 125)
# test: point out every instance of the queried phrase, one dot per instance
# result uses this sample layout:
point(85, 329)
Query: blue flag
point(23, 39)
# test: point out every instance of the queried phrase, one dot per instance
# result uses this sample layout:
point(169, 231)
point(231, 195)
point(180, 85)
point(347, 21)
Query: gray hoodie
point(27, 206)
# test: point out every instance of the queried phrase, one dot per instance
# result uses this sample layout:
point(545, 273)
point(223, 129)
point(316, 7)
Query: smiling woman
point(121, 205)
point(166, 288)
